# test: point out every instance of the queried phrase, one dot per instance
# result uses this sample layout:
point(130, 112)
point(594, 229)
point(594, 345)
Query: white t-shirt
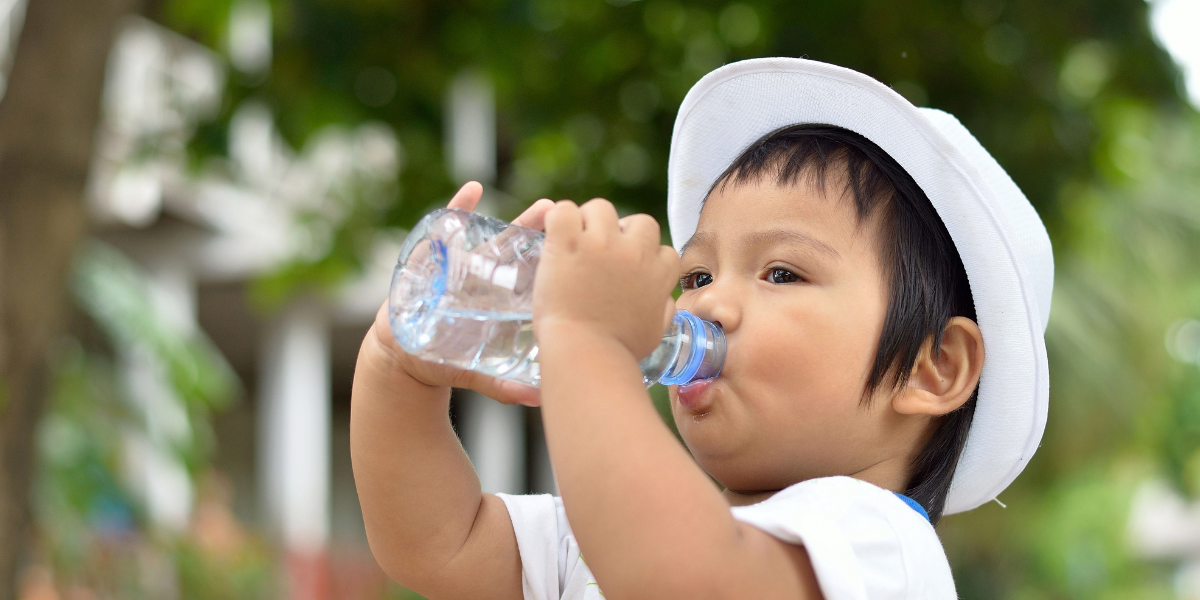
point(864, 542)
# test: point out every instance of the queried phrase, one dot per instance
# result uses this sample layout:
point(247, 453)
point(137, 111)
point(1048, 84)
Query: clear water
point(500, 345)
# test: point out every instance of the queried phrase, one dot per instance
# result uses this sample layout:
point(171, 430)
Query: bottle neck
point(692, 349)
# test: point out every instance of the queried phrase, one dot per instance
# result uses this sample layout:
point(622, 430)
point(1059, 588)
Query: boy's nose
point(717, 306)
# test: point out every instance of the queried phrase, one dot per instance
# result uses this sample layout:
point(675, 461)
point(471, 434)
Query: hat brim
point(736, 105)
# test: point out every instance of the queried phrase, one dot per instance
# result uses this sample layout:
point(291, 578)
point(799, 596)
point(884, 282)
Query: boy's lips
point(694, 397)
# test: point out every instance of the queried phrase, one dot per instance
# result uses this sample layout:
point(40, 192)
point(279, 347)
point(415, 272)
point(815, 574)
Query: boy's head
point(859, 264)
point(835, 281)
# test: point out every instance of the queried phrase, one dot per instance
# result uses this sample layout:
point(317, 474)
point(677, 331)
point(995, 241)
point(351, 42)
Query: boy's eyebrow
point(698, 240)
point(787, 236)
point(765, 238)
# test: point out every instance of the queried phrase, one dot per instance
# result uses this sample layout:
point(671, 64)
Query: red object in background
point(354, 575)
point(342, 574)
point(307, 576)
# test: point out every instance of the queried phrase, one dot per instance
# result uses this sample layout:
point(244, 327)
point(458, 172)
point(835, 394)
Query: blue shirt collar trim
point(913, 504)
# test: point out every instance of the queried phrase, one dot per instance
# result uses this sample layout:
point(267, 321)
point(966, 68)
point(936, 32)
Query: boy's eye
point(695, 280)
point(778, 275)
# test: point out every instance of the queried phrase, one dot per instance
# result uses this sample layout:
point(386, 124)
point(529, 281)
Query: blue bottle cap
point(697, 348)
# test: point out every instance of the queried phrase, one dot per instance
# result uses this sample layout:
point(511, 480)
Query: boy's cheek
point(802, 384)
point(809, 362)
point(830, 354)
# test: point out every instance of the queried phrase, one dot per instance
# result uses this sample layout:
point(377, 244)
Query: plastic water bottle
point(462, 295)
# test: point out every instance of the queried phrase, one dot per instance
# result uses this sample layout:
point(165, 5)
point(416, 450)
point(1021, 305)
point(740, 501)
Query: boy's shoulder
point(863, 541)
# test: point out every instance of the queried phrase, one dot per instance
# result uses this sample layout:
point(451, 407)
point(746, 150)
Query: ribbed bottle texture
point(462, 295)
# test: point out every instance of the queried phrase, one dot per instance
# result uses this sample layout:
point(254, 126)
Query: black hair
point(926, 279)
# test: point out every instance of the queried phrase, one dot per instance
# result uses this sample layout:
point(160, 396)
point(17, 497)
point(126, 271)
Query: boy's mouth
point(692, 395)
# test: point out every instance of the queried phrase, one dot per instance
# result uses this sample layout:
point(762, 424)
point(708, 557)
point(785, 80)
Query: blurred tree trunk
point(48, 119)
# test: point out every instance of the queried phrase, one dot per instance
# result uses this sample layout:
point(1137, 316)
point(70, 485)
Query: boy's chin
point(738, 481)
point(741, 471)
point(704, 439)
point(721, 463)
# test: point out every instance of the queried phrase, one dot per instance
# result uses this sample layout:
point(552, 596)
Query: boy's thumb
point(502, 390)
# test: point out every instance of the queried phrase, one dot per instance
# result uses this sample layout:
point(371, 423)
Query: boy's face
point(797, 284)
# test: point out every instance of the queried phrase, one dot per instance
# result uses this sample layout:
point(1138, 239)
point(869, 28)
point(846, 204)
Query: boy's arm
point(648, 520)
point(429, 526)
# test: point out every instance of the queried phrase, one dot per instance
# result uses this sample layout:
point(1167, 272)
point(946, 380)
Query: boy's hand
point(383, 344)
point(604, 276)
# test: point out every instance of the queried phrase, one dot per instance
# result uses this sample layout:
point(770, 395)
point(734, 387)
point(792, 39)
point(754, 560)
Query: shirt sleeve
point(552, 567)
point(864, 542)
point(535, 522)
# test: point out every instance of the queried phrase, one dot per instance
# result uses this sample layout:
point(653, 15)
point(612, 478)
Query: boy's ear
point(938, 385)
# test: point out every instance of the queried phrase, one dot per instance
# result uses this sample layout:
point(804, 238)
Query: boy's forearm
point(418, 491)
point(643, 512)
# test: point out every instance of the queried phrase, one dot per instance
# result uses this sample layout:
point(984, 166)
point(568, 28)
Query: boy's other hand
point(534, 217)
point(606, 275)
point(381, 341)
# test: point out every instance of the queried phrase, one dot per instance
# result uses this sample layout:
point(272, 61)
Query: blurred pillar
point(249, 37)
point(294, 422)
point(493, 434)
point(471, 128)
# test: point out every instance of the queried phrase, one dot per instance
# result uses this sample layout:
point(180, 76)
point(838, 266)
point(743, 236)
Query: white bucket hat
point(1002, 241)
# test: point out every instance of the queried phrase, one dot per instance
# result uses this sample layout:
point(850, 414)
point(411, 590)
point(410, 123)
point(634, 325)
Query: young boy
point(859, 254)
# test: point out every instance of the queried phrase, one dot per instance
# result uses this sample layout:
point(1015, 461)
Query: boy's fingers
point(642, 227)
point(599, 216)
point(467, 197)
point(512, 392)
point(502, 390)
point(534, 217)
point(670, 261)
point(669, 257)
point(669, 313)
point(563, 220)
point(382, 323)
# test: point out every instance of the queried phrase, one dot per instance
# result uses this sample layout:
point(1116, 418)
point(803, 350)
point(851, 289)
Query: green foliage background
point(1073, 98)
